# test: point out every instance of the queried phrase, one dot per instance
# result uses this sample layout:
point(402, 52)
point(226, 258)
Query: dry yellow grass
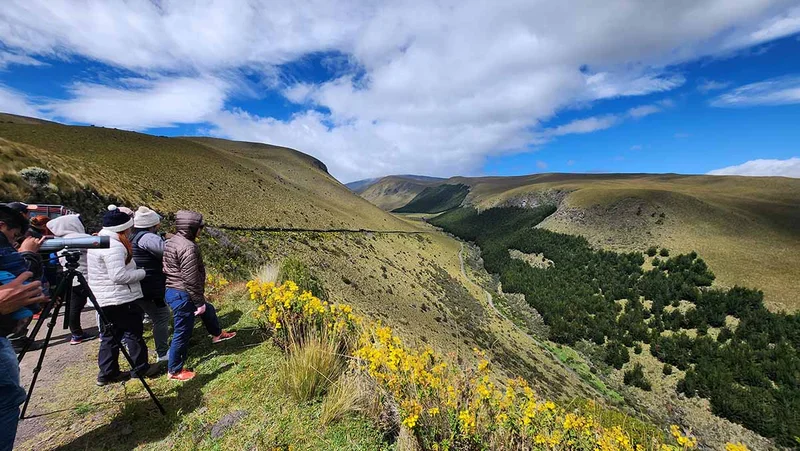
point(234, 183)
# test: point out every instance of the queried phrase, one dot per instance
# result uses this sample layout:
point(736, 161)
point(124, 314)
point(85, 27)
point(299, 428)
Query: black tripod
point(62, 296)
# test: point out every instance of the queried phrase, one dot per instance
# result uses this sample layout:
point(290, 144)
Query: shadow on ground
point(139, 421)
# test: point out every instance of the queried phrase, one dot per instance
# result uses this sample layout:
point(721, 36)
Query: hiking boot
point(78, 339)
point(121, 377)
point(182, 375)
point(223, 336)
point(152, 370)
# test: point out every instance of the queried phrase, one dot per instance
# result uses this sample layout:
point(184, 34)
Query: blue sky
point(448, 88)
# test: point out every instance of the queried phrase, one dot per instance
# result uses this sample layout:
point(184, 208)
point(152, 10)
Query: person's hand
point(31, 244)
point(16, 295)
point(200, 310)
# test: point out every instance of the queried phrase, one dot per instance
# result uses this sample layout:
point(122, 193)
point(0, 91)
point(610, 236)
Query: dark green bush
point(635, 377)
point(652, 251)
point(667, 370)
point(664, 252)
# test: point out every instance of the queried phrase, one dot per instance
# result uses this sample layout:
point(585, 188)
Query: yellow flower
point(433, 411)
point(736, 447)
point(411, 421)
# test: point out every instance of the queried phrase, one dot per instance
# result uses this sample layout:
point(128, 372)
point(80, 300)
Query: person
point(114, 279)
point(186, 278)
point(148, 253)
point(70, 226)
point(15, 295)
point(16, 258)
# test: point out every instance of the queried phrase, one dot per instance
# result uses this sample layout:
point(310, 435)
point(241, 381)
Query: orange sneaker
point(182, 375)
point(223, 336)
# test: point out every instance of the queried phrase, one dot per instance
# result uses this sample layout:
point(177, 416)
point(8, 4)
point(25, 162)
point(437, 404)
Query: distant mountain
point(745, 227)
point(436, 199)
point(395, 191)
point(360, 186)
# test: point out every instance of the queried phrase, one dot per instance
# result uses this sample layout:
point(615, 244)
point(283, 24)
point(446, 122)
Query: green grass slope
point(233, 183)
point(436, 199)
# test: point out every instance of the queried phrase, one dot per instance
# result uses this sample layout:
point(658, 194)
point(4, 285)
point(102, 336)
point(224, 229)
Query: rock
point(218, 430)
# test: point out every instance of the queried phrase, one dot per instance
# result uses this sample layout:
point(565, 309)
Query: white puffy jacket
point(111, 280)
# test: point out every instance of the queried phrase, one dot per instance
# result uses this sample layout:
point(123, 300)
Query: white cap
point(144, 218)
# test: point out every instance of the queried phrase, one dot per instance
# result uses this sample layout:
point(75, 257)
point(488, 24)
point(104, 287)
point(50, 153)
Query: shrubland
point(748, 373)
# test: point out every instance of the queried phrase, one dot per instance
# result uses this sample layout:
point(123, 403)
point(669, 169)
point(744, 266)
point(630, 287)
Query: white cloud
point(9, 58)
point(682, 135)
point(783, 24)
point(570, 162)
point(706, 86)
point(636, 147)
point(588, 125)
point(541, 164)
point(17, 103)
point(140, 103)
point(776, 91)
point(418, 88)
point(783, 168)
point(642, 111)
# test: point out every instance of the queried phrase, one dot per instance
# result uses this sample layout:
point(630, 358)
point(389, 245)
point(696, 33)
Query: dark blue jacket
point(154, 283)
point(16, 263)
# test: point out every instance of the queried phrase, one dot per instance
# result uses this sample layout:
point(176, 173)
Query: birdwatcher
point(148, 253)
point(114, 279)
point(186, 279)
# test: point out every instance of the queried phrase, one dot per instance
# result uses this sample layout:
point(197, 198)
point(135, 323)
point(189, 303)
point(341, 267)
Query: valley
point(549, 277)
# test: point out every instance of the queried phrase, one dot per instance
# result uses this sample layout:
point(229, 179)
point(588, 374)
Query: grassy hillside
point(436, 199)
point(233, 183)
point(747, 228)
point(394, 192)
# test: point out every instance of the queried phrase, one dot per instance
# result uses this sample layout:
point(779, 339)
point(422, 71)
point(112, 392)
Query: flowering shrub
point(293, 314)
point(215, 283)
point(446, 407)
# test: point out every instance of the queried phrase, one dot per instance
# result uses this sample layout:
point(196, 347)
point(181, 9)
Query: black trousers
point(126, 326)
point(77, 303)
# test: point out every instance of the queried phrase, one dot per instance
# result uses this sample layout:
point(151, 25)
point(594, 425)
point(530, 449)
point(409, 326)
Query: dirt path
point(464, 274)
point(59, 357)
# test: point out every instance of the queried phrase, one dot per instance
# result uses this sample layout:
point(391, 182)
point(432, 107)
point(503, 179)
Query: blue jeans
point(183, 311)
point(11, 395)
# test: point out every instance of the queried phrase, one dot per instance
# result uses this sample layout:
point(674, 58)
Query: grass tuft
point(349, 394)
point(312, 367)
point(267, 273)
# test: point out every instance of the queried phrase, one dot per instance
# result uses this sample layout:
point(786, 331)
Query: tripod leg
point(50, 326)
point(122, 348)
point(66, 302)
point(46, 311)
